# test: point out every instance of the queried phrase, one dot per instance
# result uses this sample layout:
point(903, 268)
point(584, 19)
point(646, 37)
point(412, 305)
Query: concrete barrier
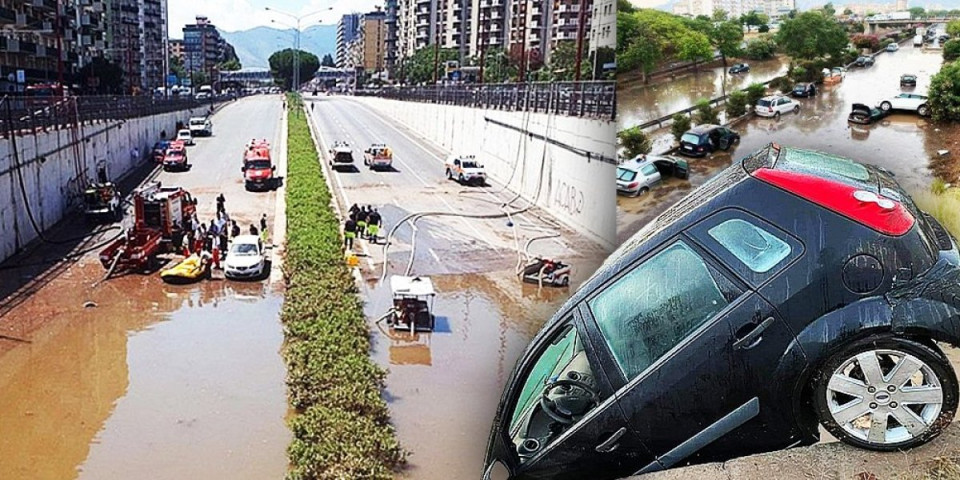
point(53, 164)
point(565, 165)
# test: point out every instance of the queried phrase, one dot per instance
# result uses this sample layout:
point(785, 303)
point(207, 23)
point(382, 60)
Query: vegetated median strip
point(342, 427)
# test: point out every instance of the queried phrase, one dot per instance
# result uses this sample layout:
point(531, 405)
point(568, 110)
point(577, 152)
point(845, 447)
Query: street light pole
point(581, 29)
point(296, 42)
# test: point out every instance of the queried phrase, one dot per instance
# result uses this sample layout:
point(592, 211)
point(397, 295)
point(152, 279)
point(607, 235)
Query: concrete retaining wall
point(572, 181)
point(51, 166)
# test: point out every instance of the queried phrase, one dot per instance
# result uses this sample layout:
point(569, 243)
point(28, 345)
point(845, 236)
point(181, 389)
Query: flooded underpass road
point(638, 103)
point(443, 387)
point(134, 378)
point(903, 143)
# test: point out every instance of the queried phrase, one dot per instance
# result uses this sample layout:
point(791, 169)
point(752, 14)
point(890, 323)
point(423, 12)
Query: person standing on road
point(373, 225)
point(353, 210)
point(253, 230)
point(362, 221)
point(234, 229)
point(263, 228)
point(220, 203)
point(349, 233)
point(224, 242)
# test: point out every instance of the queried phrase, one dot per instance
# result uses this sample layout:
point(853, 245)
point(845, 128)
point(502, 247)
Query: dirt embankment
point(938, 460)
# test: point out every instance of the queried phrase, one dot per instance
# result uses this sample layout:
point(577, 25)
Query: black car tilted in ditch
point(792, 290)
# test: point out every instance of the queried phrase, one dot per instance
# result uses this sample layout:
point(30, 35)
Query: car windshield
point(243, 249)
point(174, 153)
point(197, 122)
point(690, 138)
point(258, 164)
point(184, 133)
point(625, 174)
point(470, 164)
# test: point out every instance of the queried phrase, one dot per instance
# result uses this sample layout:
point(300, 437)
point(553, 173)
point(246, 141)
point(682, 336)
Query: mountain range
point(254, 46)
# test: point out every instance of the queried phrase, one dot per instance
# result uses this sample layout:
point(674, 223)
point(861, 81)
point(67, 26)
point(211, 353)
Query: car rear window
point(690, 138)
point(758, 249)
point(653, 308)
point(764, 103)
point(824, 166)
point(626, 175)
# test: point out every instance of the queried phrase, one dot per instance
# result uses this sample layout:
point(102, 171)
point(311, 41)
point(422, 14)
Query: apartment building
point(368, 49)
point(347, 29)
point(175, 49)
point(391, 8)
point(35, 31)
point(136, 40)
point(204, 49)
point(603, 25)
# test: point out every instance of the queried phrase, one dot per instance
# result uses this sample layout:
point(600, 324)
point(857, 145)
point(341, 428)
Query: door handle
point(610, 444)
point(751, 338)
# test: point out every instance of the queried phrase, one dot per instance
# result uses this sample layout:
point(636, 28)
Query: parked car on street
point(908, 80)
point(705, 139)
point(639, 175)
point(864, 61)
point(245, 258)
point(893, 47)
point(185, 136)
point(804, 89)
point(841, 71)
point(739, 68)
point(911, 102)
point(864, 115)
point(201, 127)
point(794, 289)
point(775, 105)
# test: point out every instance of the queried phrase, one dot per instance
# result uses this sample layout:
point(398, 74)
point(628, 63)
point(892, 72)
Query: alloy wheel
point(884, 396)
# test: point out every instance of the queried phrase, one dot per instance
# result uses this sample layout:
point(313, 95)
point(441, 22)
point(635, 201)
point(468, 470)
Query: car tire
point(923, 110)
point(843, 371)
point(641, 192)
point(796, 109)
point(449, 175)
point(460, 179)
point(885, 106)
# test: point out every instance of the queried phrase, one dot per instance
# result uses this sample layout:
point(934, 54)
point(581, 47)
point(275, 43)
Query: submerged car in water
point(865, 115)
point(794, 289)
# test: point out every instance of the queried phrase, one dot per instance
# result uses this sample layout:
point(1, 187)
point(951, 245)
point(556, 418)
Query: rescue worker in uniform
point(374, 222)
point(349, 233)
point(362, 221)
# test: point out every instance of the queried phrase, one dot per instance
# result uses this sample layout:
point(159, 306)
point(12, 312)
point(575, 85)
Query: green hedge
point(342, 427)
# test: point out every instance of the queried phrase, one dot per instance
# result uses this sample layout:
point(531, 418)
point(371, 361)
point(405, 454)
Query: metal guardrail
point(35, 114)
point(576, 99)
point(659, 122)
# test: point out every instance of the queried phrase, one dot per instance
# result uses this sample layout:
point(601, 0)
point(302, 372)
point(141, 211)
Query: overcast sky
point(233, 15)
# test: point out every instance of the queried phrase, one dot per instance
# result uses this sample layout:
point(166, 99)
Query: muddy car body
point(794, 288)
point(864, 115)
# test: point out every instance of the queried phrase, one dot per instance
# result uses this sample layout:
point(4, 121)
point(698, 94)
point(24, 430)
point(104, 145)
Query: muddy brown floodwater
point(156, 381)
point(443, 387)
point(638, 103)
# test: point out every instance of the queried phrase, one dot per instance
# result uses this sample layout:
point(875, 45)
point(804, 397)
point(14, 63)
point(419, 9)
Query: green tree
point(634, 142)
point(751, 19)
point(726, 38)
point(101, 76)
point(755, 92)
point(829, 10)
point(199, 78)
point(681, 123)
point(764, 28)
point(951, 50)
point(693, 47)
point(176, 67)
point(281, 66)
point(624, 6)
point(421, 66)
point(720, 15)
point(231, 65)
point(705, 114)
point(563, 60)
point(812, 35)
point(763, 48)
point(953, 28)
point(499, 67)
point(328, 61)
point(917, 12)
point(847, 11)
point(642, 51)
point(944, 93)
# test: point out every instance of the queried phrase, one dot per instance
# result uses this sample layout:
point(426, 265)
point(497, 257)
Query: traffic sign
point(21, 76)
point(171, 80)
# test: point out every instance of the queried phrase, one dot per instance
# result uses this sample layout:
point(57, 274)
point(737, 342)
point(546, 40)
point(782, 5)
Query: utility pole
point(436, 40)
point(58, 27)
point(523, 42)
point(581, 29)
point(483, 44)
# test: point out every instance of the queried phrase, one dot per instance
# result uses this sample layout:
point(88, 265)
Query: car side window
point(753, 248)
point(648, 170)
point(653, 308)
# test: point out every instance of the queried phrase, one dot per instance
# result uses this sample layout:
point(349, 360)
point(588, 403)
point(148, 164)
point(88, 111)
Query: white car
point(185, 136)
point(640, 174)
point(245, 259)
point(201, 127)
point(775, 105)
point(906, 101)
point(465, 169)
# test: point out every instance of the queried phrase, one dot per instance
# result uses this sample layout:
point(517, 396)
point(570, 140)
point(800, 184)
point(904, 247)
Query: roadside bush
point(798, 73)
point(736, 104)
point(681, 123)
point(342, 428)
point(762, 48)
point(764, 28)
point(951, 50)
point(705, 114)
point(784, 84)
point(885, 42)
point(865, 41)
point(755, 92)
point(848, 57)
point(944, 93)
point(634, 142)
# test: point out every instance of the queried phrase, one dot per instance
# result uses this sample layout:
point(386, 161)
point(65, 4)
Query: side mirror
point(243, 168)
